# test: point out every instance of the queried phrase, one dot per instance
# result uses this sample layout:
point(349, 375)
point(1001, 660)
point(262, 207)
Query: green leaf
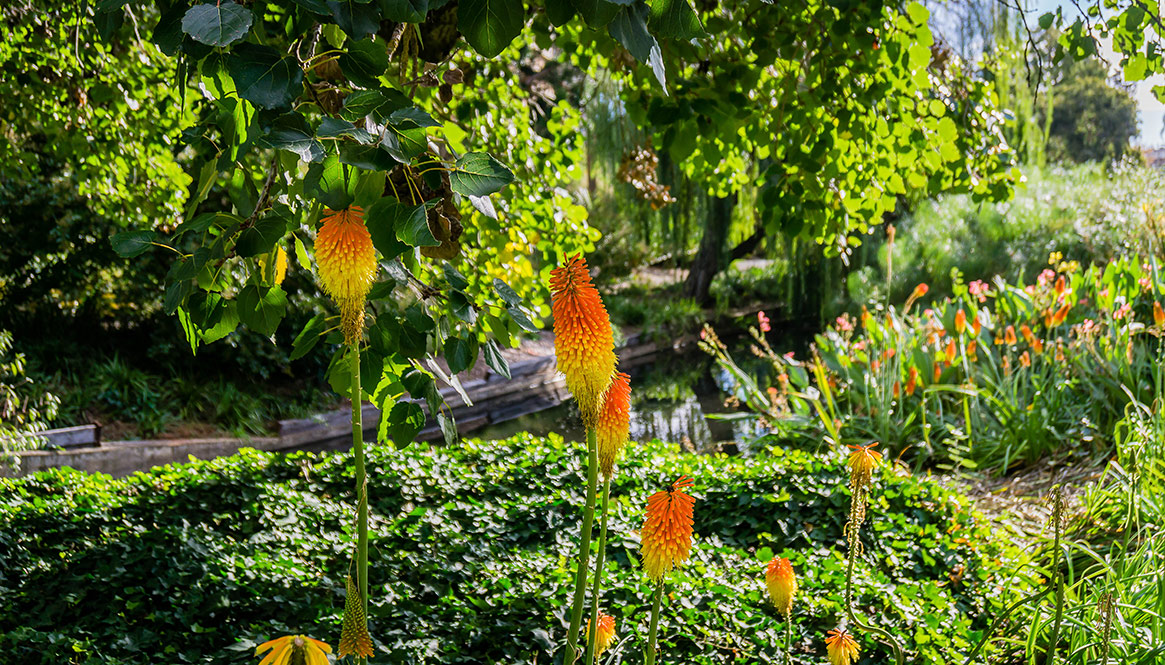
point(596, 13)
point(559, 12)
point(404, 144)
point(291, 132)
point(337, 128)
point(129, 244)
point(263, 78)
point(301, 254)
point(369, 188)
point(460, 353)
point(377, 103)
point(367, 157)
point(507, 294)
point(404, 11)
point(456, 280)
point(413, 230)
point(227, 322)
point(448, 428)
point(364, 62)
point(479, 174)
point(404, 421)
point(358, 19)
point(262, 236)
point(383, 218)
point(261, 309)
point(217, 24)
point(331, 182)
point(629, 28)
point(490, 25)
point(674, 19)
point(521, 319)
point(495, 360)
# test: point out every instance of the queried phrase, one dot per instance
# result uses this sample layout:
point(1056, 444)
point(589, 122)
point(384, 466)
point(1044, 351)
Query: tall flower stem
point(653, 630)
point(584, 548)
point(789, 640)
point(597, 586)
point(1057, 519)
point(361, 484)
point(849, 605)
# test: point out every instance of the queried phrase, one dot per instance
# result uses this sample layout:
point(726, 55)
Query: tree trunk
point(711, 257)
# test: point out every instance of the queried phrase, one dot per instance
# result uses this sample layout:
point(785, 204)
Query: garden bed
point(471, 556)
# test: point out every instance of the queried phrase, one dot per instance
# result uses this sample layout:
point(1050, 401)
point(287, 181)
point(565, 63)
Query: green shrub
point(470, 556)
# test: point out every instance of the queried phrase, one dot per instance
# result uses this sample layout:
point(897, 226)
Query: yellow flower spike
point(583, 343)
point(614, 423)
point(842, 649)
point(667, 530)
point(294, 650)
point(347, 265)
point(782, 585)
point(606, 635)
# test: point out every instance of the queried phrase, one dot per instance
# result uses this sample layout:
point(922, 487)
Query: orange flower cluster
point(841, 647)
point(782, 585)
point(347, 264)
point(862, 462)
point(614, 423)
point(293, 650)
point(583, 342)
point(667, 530)
point(606, 634)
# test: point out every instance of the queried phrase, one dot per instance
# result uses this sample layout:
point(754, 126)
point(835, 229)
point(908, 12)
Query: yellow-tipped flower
point(782, 585)
point(606, 635)
point(862, 462)
point(667, 531)
point(583, 343)
point(294, 650)
point(614, 423)
point(842, 649)
point(1158, 314)
point(347, 264)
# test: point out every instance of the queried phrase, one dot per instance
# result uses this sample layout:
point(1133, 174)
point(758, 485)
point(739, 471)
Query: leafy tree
point(1091, 119)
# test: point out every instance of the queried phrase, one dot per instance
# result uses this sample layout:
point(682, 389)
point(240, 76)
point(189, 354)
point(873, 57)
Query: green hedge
point(471, 554)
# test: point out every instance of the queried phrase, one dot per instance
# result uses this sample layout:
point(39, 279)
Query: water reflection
point(672, 397)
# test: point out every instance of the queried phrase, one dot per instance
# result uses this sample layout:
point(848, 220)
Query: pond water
point(673, 393)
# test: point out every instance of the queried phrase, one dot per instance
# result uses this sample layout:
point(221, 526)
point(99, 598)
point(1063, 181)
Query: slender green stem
point(597, 586)
point(653, 630)
point(584, 549)
point(361, 484)
point(1055, 636)
point(789, 640)
point(849, 606)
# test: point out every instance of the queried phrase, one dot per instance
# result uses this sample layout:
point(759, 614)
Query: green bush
point(471, 557)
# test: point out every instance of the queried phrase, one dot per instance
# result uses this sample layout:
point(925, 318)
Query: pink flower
point(1046, 277)
point(1122, 311)
point(979, 289)
point(1144, 282)
point(765, 326)
point(844, 323)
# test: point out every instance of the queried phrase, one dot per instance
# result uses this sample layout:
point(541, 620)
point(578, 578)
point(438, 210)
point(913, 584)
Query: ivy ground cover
point(470, 557)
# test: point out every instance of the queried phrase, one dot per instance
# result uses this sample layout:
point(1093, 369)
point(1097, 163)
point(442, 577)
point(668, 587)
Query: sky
point(1151, 111)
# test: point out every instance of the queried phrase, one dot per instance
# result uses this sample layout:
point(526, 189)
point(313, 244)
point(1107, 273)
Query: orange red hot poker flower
point(583, 343)
point(606, 634)
point(842, 649)
point(781, 584)
point(347, 265)
point(667, 530)
point(614, 423)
